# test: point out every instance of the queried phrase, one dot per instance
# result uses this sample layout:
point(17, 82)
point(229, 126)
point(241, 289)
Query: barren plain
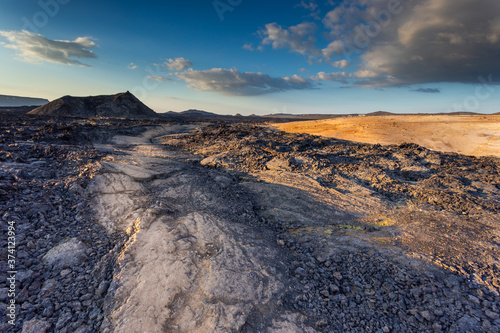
point(476, 135)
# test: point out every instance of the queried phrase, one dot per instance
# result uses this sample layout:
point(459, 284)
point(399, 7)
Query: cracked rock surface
point(193, 261)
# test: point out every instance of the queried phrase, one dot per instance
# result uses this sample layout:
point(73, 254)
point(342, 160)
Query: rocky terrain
point(393, 238)
point(45, 165)
point(128, 226)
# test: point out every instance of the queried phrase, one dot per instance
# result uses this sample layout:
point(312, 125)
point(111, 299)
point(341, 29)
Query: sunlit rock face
point(122, 105)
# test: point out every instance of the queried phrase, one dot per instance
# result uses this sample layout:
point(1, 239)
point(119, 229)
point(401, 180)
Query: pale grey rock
point(66, 254)
point(35, 326)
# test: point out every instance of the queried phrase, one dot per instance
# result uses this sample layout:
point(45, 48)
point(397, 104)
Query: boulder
point(66, 254)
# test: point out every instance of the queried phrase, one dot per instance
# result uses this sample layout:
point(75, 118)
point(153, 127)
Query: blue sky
point(242, 56)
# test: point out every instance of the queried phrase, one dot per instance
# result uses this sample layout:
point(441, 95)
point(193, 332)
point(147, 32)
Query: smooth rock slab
point(136, 172)
point(196, 262)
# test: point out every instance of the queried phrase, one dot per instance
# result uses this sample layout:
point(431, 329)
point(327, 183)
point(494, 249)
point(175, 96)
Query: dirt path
point(192, 262)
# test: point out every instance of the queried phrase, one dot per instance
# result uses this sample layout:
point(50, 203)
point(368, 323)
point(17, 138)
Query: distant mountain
point(122, 105)
point(7, 100)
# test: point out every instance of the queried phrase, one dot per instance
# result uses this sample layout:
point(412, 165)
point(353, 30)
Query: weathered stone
point(65, 272)
point(102, 289)
point(66, 254)
point(36, 326)
point(427, 315)
point(466, 324)
point(63, 320)
point(301, 272)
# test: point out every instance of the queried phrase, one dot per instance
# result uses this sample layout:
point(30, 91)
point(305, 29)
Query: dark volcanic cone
point(122, 105)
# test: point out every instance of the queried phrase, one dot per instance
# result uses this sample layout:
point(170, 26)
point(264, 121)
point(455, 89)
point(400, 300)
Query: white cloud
point(333, 17)
point(299, 38)
point(335, 47)
point(234, 82)
point(132, 66)
point(335, 76)
point(159, 78)
point(345, 16)
point(178, 64)
point(35, 48)
point(309, 5)
point(365, 73)
point(296, 80)
point(248, 47)
point(341, 64)
point(312, 7)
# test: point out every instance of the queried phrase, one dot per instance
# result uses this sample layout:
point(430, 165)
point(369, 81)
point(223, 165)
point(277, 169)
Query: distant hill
point(459, 113)
point(7, 100)
point(193, 112)
point(199, 115)
point(192, 115)
point(303, 117)
point(122, 105)
point(380, 113)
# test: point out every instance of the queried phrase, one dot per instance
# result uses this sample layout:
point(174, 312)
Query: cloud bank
point(439, 41)
point(401, 42)
point(36, 48)
point(235, 83)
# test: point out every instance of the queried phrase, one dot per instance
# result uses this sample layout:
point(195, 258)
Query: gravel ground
point(45, 166)
point(404, 272)
point(376, 238)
